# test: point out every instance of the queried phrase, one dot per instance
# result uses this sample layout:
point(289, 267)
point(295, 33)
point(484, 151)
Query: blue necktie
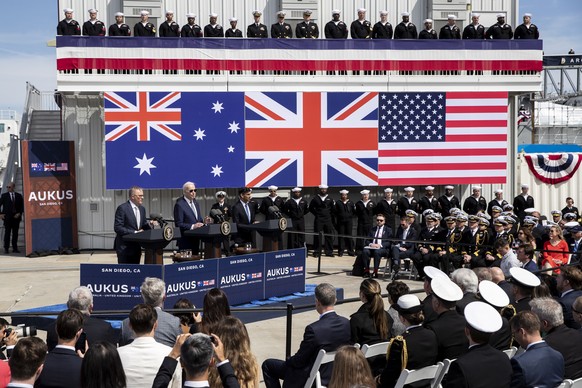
point(248, 212)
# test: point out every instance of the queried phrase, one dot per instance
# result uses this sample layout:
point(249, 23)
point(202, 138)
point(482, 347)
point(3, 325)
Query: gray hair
point(196, 353)
point(326, 295)
point(81, 298)
point(549, 310)
point(483, 273)
point(466, 279)
point(186, 185)
point(132, 190)
point(153, 291)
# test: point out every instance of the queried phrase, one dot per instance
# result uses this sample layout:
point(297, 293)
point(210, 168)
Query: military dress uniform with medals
point(281, 31)
point(308, 30)
point(473, 205)
point(257, 30)
point(431, 258)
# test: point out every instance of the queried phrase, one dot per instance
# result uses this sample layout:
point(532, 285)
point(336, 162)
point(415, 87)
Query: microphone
point(157, 217)
point(275, 210)
point(217, 215)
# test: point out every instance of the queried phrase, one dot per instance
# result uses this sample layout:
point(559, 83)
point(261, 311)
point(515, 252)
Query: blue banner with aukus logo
point(243, 278)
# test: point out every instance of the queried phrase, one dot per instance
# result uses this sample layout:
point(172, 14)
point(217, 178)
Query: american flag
point(311, 138)
point(62, 166)
point(441, 138)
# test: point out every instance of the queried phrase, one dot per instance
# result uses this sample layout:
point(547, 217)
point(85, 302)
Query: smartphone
point(80, 345)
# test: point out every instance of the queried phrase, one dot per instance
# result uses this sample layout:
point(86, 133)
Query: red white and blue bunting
point(553, 168)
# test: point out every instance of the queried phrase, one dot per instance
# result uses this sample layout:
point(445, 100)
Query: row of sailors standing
point(334, 29)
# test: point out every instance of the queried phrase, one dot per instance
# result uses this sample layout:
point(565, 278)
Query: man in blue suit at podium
point(187, 216)
point(130, 217)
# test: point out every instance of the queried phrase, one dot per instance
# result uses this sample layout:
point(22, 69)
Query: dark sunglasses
point(193, 190)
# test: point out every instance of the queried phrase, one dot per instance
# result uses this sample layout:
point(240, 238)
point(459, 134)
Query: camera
point(21, 331)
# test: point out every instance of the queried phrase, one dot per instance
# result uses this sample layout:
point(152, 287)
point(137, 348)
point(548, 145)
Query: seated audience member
point(508, 257)
point(577, 310)
point(142, 357)
point(569, 284)
point(26, 362)
point(62, 367)
point(153, 292)
point(473, 369)
point(7, 342)
point(467, 280)
point(523, 284)
point(198, 354)
point(102, 367)
point(188, 321)
point(539, 365)
point(376, 245)
point(483, 273)
point(396, 289)
point(526, 255)
point(214, 308)
point(328, 333)
point(555, 250)
point(415, 349)
point(430, 273)
point(492, 294)
point(371, 324)
point(350, 369)
point(565, 340)
point(95, 329)
point(524, 236)
point(4, 374)
point(237, 349)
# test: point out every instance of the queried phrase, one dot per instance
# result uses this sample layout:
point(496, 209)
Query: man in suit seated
point(539, 365)
point(130, 217)
point(187, 216)
point(575, 244)
point(243, 213)
point(95, 329)
point(569, 285)
point(62, 367)
point(328, 333)
point(26, 362)
point(153, 292)
point(377, 246)
point(402, 249)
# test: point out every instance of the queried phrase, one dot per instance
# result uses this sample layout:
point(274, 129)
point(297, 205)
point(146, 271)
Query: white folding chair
point(411, 376)
point(375, 350)
point(510, 352)
point(436, 383)
point(569, 384)
point(576, 383)
point(323, 357)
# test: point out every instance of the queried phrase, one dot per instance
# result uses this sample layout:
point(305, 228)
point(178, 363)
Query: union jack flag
point(141, 111)
point(311, 138)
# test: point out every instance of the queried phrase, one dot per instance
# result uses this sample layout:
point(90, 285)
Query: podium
point(270, 230)
point(153, 241)
point(212, 236)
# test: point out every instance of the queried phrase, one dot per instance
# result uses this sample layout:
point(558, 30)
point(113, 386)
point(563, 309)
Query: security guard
point(68, 26)
point(233, 32)
point(93, 27)
point(144, 27)
point(475, 30)
point(499, 30)
point(169, 28)
point(428, 32)
point(281, 30)
point(527, 30)
point(257, 29)
point(119, 28)
point(450, 30)
point(335, 28)
point(405, 29)
point(361, 28)
point(191, 30)
point(213, 29)
point(382, 29)
point(307, 28)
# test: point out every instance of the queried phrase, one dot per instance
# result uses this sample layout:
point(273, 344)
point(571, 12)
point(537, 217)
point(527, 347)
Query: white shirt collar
point(65, 347)
point(566, 293)
point(534, 343)
point(196, 384)
point(325, 313)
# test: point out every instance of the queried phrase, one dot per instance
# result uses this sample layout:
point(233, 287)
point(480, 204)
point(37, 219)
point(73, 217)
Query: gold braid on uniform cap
point(403, 353)
point(508, 311)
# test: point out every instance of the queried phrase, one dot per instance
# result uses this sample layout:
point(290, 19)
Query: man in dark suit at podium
point(187, 216)
point(11, 209)
point(243, 213)
point(130, 217)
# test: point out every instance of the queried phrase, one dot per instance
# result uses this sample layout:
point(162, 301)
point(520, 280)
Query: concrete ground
point(35, 282)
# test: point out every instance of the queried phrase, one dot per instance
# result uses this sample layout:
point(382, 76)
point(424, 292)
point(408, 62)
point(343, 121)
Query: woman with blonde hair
point(350, 369)
point(555, 250)
point(237, 348)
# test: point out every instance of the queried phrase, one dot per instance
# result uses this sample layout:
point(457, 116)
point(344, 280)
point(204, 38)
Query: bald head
point(496, 275)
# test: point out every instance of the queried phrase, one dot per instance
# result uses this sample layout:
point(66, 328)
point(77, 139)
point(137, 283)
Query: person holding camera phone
point(8, 339)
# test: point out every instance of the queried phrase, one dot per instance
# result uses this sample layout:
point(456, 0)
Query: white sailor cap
point(552, 223)
point(408, 304)
point(556, 213)
point(307, 12)
point(445, 289)
point(409, 189)
point(336, 12)
point(528, 222)
point(500, 15)
point(383, 12)
point(68, 10)
point(119, 14)
point(427, 212)
point(452, 17)
point(232, 19)
point(525, 185)
point(256, 12)
point(405, 14)
point(498, 191)
point(493, 294)
point(144, 13)
point(482, 317)
point(508, 207)
point(92, 10)
point(362, 10)
point(323, 186)
point(364, 192)
point(531, 210)
point(219, 193)
point(476, 187)
point(475, 14)
point(429, 188)
point(169, 12)
point(272, 187)
point(530, 218)
point(213, 15)
point(570, 224)
point(429, 21)
point(281, 13)
point(523, 277)
point(190, 15)
point(433, 272)
point(296, 189)
point(411, 213)
point(570, 216)
point(344, 191)
point(449, 187)
point(388, 190)
point(527, 14)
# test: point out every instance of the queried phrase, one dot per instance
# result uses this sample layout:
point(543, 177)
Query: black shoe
point(375, 275)
point(351, 253)
point(330, 255)
point(340, 254)
point(366, 275)
point(15, 250)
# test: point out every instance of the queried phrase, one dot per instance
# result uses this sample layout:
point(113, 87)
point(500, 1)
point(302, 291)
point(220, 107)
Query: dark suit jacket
point(468, 297)
point(184, 218)
point(449, 328)
point(481, 367)
point(429, 314)
point(125, 223)
point(239, 216)
point(539, 366)
point(568, 342)
point(411, 235)
point(502, 339)
point(96, 330)
point(386, 233)
point(62, 368)
point(168, 367)
point(363, 328)
point(7, 209)
point(328, 333)
point(566, 301)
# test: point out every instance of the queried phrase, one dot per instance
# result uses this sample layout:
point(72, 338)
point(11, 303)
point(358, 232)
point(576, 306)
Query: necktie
point(576, 244)
point(137, 220)
point(378, 234)
point(194, 210)
point(246, 206)
point(404, 233)
point(13, 203)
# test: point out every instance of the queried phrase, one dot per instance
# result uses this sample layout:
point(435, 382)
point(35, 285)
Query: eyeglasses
point(379, 220)
point(193, 190)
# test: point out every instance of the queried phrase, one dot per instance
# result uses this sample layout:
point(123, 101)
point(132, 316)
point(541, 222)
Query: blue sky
point(24, 55)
